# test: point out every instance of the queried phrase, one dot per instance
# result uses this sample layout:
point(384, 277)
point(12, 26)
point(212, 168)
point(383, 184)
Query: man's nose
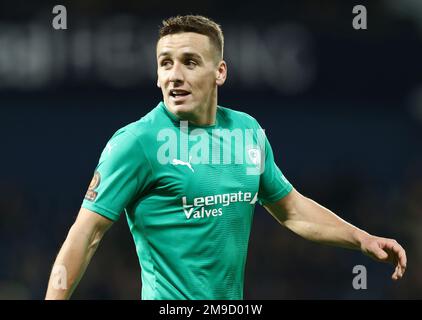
point(176, 73)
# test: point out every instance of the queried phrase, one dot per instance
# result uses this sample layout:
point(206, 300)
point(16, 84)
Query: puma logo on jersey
point(176, 162)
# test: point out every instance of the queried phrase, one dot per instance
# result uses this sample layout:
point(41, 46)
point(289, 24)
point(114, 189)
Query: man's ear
point(221, 73)
point(158, 84)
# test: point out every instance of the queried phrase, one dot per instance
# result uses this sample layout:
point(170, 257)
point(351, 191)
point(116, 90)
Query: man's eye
point(165, 63)
point(191, 63)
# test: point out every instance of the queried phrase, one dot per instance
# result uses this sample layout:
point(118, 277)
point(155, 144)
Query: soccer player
point(189, 191)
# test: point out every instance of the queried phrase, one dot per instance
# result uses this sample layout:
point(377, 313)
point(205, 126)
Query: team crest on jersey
point(91, 194)
point(255, 156)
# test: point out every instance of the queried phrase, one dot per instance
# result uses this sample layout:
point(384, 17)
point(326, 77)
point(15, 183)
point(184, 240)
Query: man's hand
point(386, 250)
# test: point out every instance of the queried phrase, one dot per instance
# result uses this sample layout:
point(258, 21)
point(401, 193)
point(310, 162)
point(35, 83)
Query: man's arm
point(312, 221)
point(76, 253)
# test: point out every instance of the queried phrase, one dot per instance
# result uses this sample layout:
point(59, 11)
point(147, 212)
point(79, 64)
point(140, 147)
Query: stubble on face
point(187, 73)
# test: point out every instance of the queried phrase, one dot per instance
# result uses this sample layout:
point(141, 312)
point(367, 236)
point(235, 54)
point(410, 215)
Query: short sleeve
point(273, 185)
point(122, 175)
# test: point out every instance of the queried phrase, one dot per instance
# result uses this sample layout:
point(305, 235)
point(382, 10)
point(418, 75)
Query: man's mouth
point(176, 93)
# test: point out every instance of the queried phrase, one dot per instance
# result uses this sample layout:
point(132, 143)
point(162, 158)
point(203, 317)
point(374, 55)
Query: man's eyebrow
point(164, 53)
point(192, 55)
point(185, 55)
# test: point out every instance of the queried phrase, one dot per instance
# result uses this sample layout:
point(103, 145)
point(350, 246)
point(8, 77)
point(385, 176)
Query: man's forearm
point(70, 264)
point(316, 223)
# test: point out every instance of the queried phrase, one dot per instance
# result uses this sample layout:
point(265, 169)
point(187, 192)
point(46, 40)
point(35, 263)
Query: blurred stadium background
point(342, 109)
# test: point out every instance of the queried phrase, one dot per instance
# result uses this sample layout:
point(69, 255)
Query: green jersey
point(189, 194)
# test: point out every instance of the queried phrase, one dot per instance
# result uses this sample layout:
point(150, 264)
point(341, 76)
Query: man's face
point(188, 72)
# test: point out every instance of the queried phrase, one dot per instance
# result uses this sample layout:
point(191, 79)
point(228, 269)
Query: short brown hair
point(197, 24)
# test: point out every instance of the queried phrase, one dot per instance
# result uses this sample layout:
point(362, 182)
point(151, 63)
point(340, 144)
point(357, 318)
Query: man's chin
point(182, 109)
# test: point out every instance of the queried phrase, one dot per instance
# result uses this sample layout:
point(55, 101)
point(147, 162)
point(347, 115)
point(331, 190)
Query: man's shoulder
point(139, 134)
point(143, 127)
point(236, 116)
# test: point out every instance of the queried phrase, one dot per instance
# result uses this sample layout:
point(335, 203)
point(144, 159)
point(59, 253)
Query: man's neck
point(202, 117)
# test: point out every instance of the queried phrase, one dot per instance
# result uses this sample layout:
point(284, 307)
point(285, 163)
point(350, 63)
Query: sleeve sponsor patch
point(91, 194)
